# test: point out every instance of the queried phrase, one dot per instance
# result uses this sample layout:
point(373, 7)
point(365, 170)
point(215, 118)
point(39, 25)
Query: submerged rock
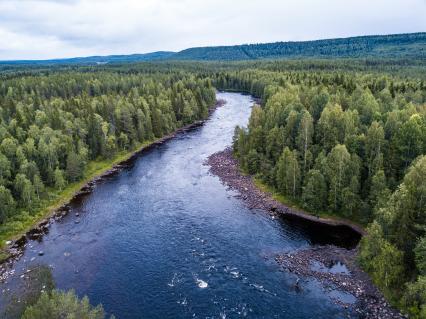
point(369, 302)
point(19, 243)
point(318, 262)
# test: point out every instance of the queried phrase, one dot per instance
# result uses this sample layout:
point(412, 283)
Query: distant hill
point(160, 55)
point(410, 45)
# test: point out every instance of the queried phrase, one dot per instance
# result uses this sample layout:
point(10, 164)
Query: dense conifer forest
point(342, 138)
point(53, 125)
point(350, 145)
point(396, 46)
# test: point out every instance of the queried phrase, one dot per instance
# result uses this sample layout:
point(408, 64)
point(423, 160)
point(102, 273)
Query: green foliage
point(414, 298)
point(57, 305)
point(339, 175)
point(382, 260)
point(401, 222)
point(420, 253)
point(75, 166)
point(305, 138)
point(355, 143)
point(60, 182)
point(331, 127)
point(388, 45)
point(288, 173)
point(38, 280)
point(346, 126)
point(374, 144)
point(403, 217)
point(314, 196)
point(53, 125)
point(379, 192)
point(410, 139)
point(7, 203)
point(341, 136)
point(405, 47)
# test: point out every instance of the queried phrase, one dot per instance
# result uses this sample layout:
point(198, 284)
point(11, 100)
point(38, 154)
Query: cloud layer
point(41, 29)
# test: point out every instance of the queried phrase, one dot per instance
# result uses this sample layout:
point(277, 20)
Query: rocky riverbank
point(224, 165)
point(15, 248)
point(316, 262)
point(336, 269)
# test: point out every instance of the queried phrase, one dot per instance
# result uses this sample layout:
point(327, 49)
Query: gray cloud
point(35, 29)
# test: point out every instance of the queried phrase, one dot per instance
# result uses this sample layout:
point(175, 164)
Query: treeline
point(353, 146)
point(406, 46)
point(339, 137)
point(383, 46)
point(52, 126)
point(397, 67)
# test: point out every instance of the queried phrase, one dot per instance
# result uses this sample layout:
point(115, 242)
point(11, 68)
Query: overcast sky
point(42, 29)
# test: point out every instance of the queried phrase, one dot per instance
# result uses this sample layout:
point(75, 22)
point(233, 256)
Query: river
point(164, 238)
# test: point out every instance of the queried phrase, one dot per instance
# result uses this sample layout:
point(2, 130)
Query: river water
point(166, 239)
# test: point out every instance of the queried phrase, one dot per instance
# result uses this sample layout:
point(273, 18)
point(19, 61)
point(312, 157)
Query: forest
point(389, 46)
point(52, 126)
point(349, 145)
point(341, 138)
point(409, 46)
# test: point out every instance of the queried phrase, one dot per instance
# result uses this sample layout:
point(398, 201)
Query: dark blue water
point(165, 239)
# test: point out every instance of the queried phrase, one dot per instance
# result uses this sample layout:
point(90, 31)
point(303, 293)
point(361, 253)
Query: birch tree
point(338, 162)
point(304, 138)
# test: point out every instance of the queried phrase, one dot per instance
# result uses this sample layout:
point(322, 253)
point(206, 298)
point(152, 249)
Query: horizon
point(207, 46)
point(62, 29)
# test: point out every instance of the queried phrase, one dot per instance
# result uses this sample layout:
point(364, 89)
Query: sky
point(44, 29)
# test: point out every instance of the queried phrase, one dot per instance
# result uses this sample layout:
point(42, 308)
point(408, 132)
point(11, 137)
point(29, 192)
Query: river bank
point(13, 242)
point(224, 165)
point(317, 261)
point(336, 268)
point(149, 235)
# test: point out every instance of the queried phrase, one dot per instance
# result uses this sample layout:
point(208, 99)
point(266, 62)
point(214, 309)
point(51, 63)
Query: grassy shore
point(355, 220)
point(22, 222)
